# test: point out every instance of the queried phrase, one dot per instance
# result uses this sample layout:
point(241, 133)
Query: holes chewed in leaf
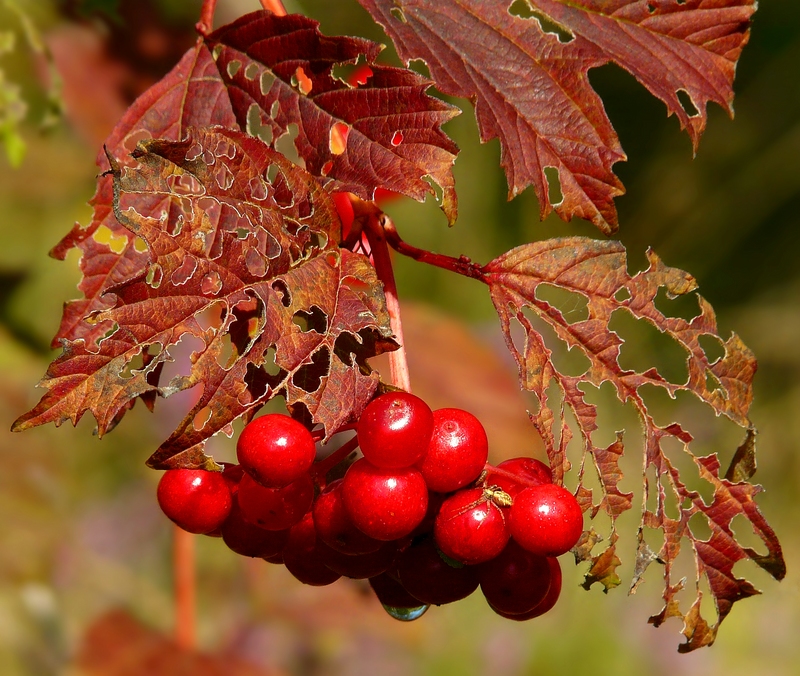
point(184, 273)
point(397, 138)
point(524, 10)
point(684, 306)
point(212, 316)
point(252, 70)
point(712, 346)
point(285, 145)
point(233, 67)
point(279, 286)
point(154, 275)
point(211, 284)
point(302, 81)
point(255, 127)
point(309, 376)
point(571, 304)
point(313, 320)
point(645, 346)
point(397, 13)
point(116, 243)
point(687, 104)
point(338, 138)
point(554, 193)
point(201, 418)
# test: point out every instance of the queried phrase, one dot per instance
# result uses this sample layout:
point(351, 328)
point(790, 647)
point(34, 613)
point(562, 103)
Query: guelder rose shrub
point(282, 273)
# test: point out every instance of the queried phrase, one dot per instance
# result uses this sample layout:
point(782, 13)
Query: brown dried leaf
point(597, 271)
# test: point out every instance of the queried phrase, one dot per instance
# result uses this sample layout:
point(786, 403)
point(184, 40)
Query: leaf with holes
point(524, 63)
point(597, 271)
point(279, 75)
point(271, 76)
point(243, 256)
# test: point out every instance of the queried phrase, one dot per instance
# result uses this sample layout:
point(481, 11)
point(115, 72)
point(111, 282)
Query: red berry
point(197, 500)
point(275, 450)
point(302, 558)
point(275, 508)
point(391, 593)
point(546, 604)
point(527, 472)
point(516, 580)
point(247, 539)
point(546, 520)
point(470, 527)
point(334, 525)
point(395, 429)
point(457, 452)
point(386, 504)
point(425, 575)
point(359, 566)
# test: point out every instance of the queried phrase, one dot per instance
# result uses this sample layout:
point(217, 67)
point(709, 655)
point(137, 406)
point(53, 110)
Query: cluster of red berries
point(421, 515)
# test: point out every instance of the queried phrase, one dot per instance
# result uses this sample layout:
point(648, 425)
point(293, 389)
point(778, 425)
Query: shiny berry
point(516, 580)
point(395, 429)
point(302, 558)
point(385, 504)
point(457, 452)
point(427, 576)
point(247, 539)
point(197, 500)
point(275, 450)
point(546, 520)
point(334, 525)
point(471, 527)
point(525, 472)
point(275, 508)
point(391, 593)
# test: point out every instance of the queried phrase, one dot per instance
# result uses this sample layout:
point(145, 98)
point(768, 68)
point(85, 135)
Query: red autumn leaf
point(597, 271)
point(242, 250)
point(271, 75)
point(385, 133)
point(117, 644)
point(526, 71)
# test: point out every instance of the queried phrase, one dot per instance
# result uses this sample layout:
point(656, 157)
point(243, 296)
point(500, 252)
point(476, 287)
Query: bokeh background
point(81, 534)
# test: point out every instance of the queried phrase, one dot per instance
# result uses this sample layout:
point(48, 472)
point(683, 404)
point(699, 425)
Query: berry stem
point(398, 362)
point(463, 265)
point(206, 22)
point(274, 6)
point(488, 467)
point(185, 601)
point(321, 468)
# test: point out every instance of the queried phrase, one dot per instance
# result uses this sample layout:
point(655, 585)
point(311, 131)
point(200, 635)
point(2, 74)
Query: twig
point(398, 362)
point(462, 266)
point(206, 22)
point(183, 567)
point(325, 465)
point(274, 6)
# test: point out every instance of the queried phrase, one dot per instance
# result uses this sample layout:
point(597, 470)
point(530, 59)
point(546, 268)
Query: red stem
point(324, 466)
point(206, 22)
point(489, 468)
point(274, 6)
point(398, 363)
point(463, 265)
point(185, 602)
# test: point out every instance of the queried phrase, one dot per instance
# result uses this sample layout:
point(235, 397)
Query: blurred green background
point(81, 529)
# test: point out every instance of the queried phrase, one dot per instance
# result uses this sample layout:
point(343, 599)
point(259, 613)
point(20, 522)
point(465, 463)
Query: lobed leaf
point(245, 77)
point(525, 63)
point(597, 271)
point(242, 250)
